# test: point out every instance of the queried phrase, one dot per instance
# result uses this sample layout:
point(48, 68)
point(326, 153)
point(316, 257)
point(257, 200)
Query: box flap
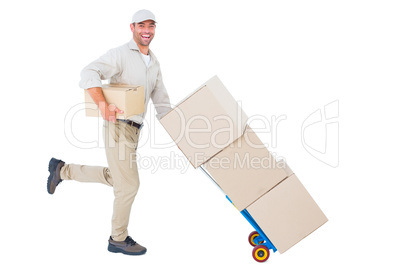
point(121, 87)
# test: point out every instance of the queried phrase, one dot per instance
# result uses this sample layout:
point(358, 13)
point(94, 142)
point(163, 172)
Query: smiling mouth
point(146, 36)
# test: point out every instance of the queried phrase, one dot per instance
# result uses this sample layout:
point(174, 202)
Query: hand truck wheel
point(260, 253)
point(251, 238)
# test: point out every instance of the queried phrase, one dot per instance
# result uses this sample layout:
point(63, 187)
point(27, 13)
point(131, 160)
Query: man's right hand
point(109, 111)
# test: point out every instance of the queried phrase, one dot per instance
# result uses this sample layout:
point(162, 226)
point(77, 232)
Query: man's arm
point(108, 111)
point(160, 98)
point(91, 79)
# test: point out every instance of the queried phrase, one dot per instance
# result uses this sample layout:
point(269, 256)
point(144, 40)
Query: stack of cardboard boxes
point(211, 130)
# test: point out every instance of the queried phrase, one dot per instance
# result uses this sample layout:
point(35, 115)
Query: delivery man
point(134, 64)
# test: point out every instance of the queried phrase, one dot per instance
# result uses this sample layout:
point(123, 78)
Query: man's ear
point(132, 27)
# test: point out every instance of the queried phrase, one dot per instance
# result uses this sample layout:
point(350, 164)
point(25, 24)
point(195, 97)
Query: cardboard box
point(246, 170)
point(287, 213)
point(128, 98)
point(204, 123)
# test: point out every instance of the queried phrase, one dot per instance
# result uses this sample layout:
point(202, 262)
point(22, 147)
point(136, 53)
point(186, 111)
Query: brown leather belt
point(132, 123)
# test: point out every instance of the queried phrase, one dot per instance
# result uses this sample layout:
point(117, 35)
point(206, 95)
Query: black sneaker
point(54, 178)
point(128, 247)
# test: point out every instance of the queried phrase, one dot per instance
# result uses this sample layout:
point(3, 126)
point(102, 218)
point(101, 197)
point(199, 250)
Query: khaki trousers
point(121, 142)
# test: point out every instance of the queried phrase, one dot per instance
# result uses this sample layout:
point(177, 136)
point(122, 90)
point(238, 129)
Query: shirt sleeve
point(160, 98)
point(101, 69)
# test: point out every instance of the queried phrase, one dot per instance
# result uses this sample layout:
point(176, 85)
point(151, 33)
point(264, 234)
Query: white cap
point(143, 15)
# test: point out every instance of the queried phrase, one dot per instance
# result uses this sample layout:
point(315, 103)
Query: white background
point(276, 57)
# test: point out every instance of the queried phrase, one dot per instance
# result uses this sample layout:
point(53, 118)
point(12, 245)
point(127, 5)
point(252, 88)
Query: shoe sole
point(115, 249)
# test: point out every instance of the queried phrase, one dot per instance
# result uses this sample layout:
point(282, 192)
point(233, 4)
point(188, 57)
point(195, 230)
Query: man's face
point(143, 32)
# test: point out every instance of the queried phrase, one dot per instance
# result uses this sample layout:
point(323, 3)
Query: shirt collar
point(133, 45)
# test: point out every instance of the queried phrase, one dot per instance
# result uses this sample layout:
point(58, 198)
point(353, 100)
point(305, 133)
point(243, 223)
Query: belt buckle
point(135, 124)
